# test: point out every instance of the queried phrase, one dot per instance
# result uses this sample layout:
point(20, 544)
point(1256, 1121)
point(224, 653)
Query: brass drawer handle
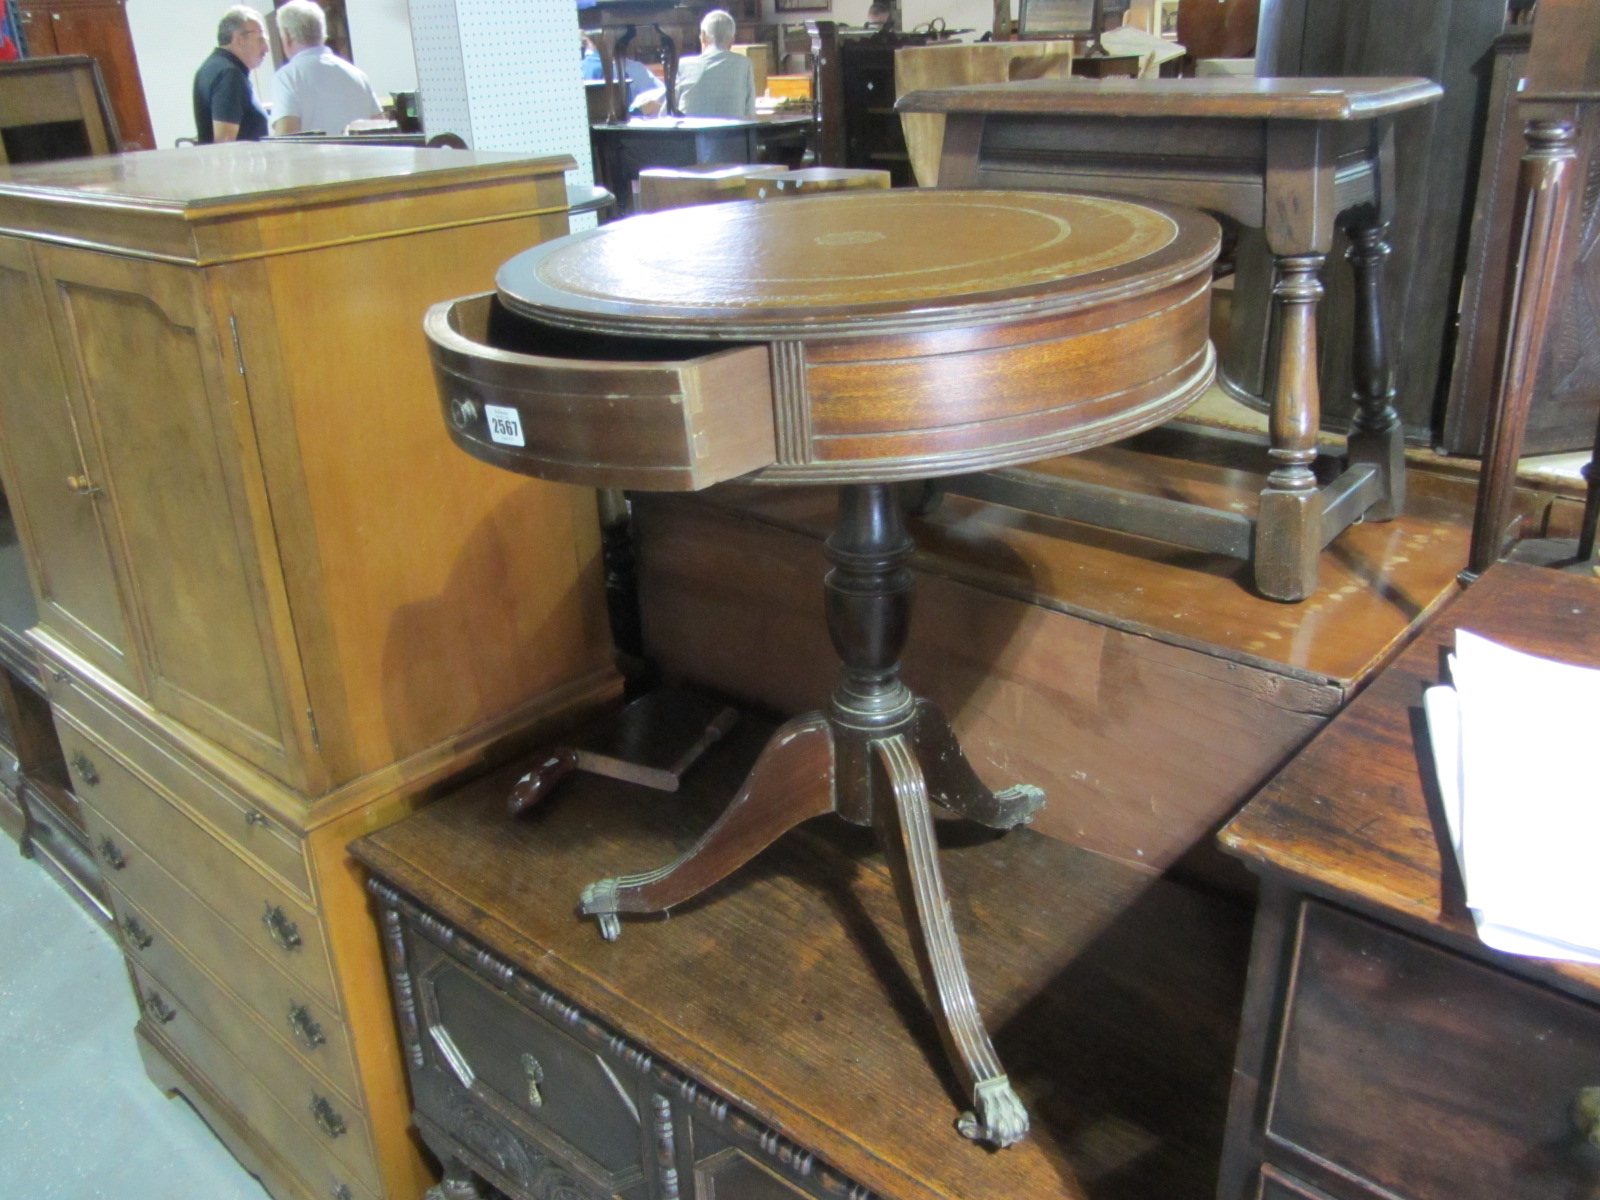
point(535, 1076)
point(327, 1117)
point(304, 1027)
point(284, 931)
point(64, 678)
point(137, 933)
point(112, 854)
point(1586, 1113)
point(341, 1191)
point(85, 768)
point(82, 485)
point(252, 818)
point(159, 1008)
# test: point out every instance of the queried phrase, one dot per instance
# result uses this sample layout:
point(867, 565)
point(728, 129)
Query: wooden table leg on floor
point(870, 758)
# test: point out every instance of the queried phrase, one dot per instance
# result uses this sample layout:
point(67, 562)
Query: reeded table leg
point(872, 758)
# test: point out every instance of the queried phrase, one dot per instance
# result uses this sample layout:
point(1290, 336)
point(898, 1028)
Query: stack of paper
point(1514, 745)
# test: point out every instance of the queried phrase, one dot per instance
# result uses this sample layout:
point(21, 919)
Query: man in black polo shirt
point(225, 107)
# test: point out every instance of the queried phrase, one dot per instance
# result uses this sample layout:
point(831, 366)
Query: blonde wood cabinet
point(277, 608)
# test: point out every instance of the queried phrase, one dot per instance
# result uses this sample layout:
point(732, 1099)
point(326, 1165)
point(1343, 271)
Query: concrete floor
point(78, 1117)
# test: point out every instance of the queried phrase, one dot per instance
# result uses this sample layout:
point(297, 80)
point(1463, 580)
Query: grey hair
point(302, 22)
point(718, 28)
point(234, 21)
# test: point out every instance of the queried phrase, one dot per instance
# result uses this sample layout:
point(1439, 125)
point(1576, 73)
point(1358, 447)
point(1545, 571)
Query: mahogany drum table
point(856, 339)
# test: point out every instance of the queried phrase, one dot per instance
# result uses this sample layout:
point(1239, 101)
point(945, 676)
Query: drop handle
point(326, 1116)
point(82, 485)
point(112, 854)
point(137, 933)
point(159, 1008)
point(305, 1027)
point(85, 768)
point(1586, 1114)
point(282, 930)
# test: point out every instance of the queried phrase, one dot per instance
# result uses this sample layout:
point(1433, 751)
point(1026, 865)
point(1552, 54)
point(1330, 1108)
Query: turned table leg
point(1289, 522)
point(1377, 435)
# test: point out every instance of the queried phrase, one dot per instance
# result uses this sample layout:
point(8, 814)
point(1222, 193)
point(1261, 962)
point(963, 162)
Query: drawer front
point(1428, 1074)
point(265, 1112)
point(268, 918)
point(343, 1126)
point(599, 423)
point(93, 734)
point(584, 1109)
point(310, 1028)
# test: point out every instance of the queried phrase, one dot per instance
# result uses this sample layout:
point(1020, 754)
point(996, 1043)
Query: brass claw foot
point(1000, 1120)
point(600, 901)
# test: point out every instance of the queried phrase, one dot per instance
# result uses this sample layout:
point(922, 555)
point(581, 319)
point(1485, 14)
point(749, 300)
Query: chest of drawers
point(276, 609)
point(1385, 1052)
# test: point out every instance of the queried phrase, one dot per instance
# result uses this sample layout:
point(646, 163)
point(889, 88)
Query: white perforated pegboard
point(504, 75)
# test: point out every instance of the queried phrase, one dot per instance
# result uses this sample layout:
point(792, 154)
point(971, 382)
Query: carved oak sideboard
point(769, 1043)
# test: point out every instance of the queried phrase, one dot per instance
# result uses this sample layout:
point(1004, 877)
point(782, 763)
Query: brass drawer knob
point(112, 854)
point(535, 1076)
point(64, 678)
point(85, 768)
point(341, 1191)
point(159, 1008)
point(326, 1116)
point(137, 933)
point(252, 818)
point(82, 485)
point(305, 1027)
point(284, 931)
point(1586, 1113)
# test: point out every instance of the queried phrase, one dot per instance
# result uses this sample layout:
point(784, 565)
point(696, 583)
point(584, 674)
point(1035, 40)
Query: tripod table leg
point(953, 784)
point(905, 827)
point(791, 782)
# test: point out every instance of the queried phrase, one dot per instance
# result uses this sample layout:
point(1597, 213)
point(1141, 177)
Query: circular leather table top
point(856, 263)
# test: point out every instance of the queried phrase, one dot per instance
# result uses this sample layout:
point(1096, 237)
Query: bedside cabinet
point(1385, 1052)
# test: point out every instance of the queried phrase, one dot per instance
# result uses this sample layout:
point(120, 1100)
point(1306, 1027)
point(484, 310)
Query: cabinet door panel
point(63, 530)
point(155, 404)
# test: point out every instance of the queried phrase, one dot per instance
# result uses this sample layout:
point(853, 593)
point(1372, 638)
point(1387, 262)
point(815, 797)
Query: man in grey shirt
point(316, 89)
point(716, 82)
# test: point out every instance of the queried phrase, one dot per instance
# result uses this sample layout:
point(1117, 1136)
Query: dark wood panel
point(98, 28)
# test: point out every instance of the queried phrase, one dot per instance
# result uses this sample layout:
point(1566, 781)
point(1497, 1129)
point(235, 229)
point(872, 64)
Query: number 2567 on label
point(505, 425)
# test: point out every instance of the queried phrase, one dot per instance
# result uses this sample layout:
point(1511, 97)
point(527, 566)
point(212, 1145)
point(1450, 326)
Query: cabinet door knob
point(1586, 1113)
point(82, 485)
point(284, 931)
point(85, 768)
point(112, 854)
point(159, 1008)
point(326, 1116)
point(137, 933)
point(305, 1027)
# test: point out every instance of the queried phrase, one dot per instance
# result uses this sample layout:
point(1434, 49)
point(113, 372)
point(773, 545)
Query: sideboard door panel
point(150, 376)
point(61, 519)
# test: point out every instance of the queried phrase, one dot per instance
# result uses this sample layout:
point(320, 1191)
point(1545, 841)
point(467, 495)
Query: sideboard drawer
point(268, 917)
point(312, 1156)
point(311, 1031)
point(1427, 1074)
point(90, 736)
point(520, 1064)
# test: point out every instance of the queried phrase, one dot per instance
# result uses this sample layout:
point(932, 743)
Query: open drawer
point(654, 414)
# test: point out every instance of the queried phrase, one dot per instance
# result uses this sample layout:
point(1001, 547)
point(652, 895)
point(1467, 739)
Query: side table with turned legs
point(854, 339)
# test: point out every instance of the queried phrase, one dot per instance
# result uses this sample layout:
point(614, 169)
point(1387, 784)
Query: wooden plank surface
point(1356, 817)
point(790, 988)
point(1308, 99)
